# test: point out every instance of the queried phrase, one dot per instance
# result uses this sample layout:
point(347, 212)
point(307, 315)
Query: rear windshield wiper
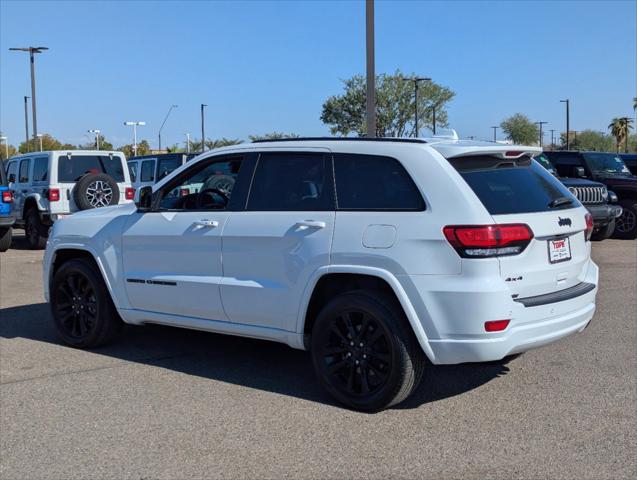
point(559, 202)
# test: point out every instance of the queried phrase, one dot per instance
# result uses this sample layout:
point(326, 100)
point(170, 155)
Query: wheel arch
point(32, 201)
point(333, 280)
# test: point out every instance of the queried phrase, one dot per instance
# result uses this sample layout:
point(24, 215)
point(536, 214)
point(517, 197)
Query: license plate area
point(559, 250)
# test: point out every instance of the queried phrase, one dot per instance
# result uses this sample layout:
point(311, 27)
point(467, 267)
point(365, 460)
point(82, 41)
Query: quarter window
point(369, 182)
point(132, 170)
point(12, 171)
point(41, 169)
point(148, 171)
point(24, 171)
point(292, 182)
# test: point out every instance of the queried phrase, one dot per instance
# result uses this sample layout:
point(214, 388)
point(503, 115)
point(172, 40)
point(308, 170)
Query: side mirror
point(579, 172)
point(145, 199)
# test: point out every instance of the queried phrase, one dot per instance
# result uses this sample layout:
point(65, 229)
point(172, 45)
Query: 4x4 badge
point(564, 222)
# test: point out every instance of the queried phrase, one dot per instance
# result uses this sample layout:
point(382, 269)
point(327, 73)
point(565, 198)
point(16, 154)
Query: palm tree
point(620, 128)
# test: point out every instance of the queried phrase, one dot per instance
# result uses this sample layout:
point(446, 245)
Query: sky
point(264, 66)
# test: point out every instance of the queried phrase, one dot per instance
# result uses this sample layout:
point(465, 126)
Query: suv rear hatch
point(517, 191)
point(71, 167)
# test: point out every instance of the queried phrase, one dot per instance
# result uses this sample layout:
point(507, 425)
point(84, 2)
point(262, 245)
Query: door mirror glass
point(145, 199)
point(579, 172)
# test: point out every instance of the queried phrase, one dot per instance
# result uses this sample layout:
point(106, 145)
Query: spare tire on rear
point(95, 190)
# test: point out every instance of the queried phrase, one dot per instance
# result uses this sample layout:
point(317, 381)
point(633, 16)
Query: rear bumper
point(7, 220)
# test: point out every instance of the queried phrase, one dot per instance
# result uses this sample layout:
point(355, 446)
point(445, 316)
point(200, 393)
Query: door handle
point(206, 223)
point(305, 224)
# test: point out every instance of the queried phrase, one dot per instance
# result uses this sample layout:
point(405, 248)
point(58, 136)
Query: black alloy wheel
point(76, 305)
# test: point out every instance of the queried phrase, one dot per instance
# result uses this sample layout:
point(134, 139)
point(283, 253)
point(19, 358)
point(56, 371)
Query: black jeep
point(594, 196)
point(609, 169)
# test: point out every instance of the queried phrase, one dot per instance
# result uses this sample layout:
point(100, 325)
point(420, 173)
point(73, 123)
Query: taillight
point(496, 325)
point(7, 196)
point(480, 241)
point(184, 192)
point(589, 226)
point(53, 194)
point(130, 193)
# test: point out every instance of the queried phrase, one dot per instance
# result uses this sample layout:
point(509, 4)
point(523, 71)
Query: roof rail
point(344, 139)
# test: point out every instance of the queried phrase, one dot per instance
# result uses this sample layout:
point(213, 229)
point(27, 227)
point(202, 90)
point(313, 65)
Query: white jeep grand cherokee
point(376, 255)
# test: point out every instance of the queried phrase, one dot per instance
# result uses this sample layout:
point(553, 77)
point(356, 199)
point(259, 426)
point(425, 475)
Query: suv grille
point(590, 194)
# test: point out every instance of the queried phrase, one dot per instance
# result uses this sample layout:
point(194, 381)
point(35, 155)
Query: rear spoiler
point(467, 148)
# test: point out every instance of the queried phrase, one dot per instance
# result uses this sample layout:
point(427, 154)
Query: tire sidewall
point(628, 205)
point(34, 229)
point(5, 238)
point(387, 320)
point(103, 310)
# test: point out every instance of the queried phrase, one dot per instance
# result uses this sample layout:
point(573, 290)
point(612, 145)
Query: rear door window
point(41, 169)
point(166, 166)
point(24, 171)
point(12, 172)
point(519, 186)
point(72, 167)
point(292, 182)
point(369, 182)
point(148, 171)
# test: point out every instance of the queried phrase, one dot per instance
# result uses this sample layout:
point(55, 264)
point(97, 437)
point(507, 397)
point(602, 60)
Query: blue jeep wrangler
point(6, 217)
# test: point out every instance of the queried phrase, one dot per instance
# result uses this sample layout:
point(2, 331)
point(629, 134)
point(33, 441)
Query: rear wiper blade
point(560, 201)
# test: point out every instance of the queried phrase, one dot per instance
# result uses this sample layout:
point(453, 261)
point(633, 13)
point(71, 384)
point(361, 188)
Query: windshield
point(546, 163)
point(606, 163)
point(71, 168)
point(166, 166)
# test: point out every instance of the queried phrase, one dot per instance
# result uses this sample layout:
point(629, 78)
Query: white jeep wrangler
point(51, 185)
point(376, 255)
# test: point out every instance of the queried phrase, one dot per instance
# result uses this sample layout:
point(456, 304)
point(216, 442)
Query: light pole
point(494, 133)
point(6, 148)
point(416, 81)
point(541, 136)
point(32, 51)
point(187, 142)
point(135, 125)
point(433, 118)
point(26, 121)
point(97, 138)
point(162, 125)
point(371, 69)
point(39, 135)
point(568, 127)
point(552, 139)
point(203, 132)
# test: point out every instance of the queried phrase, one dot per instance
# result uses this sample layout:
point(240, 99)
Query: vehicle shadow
point(19, 241)
point(247, 362)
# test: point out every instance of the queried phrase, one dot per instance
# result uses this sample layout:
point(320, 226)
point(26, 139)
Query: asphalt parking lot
point(168, 403)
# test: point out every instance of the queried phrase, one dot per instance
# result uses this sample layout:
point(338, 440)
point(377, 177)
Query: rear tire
point(364, 351)
point(626, 224)
point(5, 238)
point(604, 232)
point(36, 232)
point(82, 308)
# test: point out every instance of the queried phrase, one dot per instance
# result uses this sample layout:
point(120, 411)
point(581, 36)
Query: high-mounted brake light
point(53, 194)
point(513, 153)
point(496, 325)
point(7, 196)
point(481, 241)
point(130, 193)
point(589, 226)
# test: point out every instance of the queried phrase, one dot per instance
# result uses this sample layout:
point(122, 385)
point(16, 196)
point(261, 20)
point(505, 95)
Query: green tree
point(592, 140)
point(3, 152)
point(174, 148)
point(143, 148)
point(395, 106)
point(272, 136)
point(222, 142)
point(520, 130)
point(620, 129)
point(104, 144)
point(48, 143)
point(632, 143)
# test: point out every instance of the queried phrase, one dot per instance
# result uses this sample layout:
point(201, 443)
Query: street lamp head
point(40, 135)
point(130, 124)
point(29, 49)
point(422, 79)
point(3, 138)
point(95, 131)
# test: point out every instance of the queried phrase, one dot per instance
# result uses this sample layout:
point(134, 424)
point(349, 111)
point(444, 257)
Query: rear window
point(70, 169)
point(519, 186)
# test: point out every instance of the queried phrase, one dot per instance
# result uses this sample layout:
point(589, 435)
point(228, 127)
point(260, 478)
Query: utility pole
point(416, 81)
point(26, 121)
point(164, 123)
point(433, 117)
point(32, 51)
point(568, 127)
point(494, 133)
point(541, 136)
point(203, 132)
point(187, 142)
point(39, 135)
point(371, 69)
point(552, 139)
point(97, 138)
point(135, 125)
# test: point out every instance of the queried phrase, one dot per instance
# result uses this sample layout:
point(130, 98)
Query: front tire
point(364, 351)
point(5, 238)
point(626, 224)
point(35, 230)
point(83, 312)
